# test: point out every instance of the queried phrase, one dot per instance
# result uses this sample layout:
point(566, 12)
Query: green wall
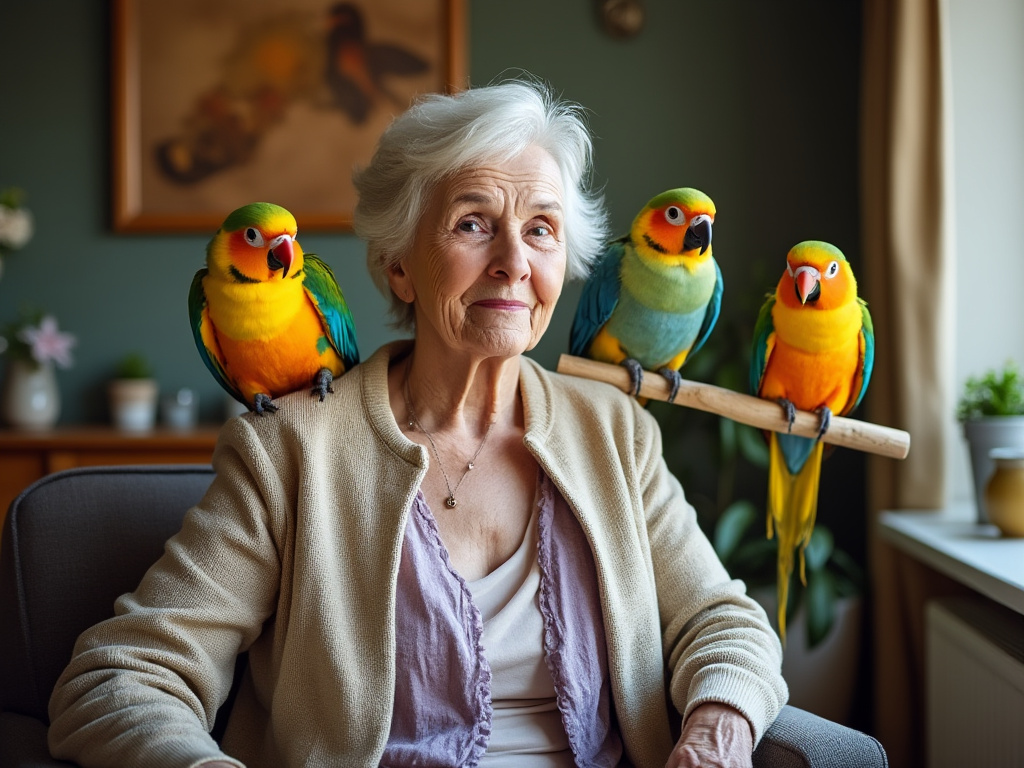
point(754, 102)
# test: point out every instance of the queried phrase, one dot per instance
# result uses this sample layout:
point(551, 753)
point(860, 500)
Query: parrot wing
point(710, 315)
point(205, 338)
point(867, 356)
point(764, 341)
point(600, 295)
point(323, 289)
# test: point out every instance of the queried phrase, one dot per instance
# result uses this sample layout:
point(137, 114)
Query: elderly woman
point(459, 558)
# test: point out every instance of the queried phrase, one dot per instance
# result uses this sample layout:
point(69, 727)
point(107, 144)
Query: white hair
point(441, 135)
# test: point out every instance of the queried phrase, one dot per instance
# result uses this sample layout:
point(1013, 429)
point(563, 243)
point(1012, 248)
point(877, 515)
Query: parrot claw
point(262, 404)
point(674, 380)
point(790, 409)
point(826, 420)
point(324, 379)
point(636, 374)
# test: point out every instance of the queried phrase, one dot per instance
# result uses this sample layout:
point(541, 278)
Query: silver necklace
point(450, 502)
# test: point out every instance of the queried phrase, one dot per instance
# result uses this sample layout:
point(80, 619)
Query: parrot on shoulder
point(655, 294)
point(267, 318)
point(813, 350)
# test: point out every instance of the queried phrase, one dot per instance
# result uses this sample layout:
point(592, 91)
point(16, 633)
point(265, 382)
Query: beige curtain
point(906, 196)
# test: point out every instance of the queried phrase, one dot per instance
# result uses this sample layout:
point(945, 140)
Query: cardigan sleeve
point(717, 641)
point(143, 687)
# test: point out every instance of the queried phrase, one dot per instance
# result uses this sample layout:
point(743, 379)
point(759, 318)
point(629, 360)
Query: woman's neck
point(459, 394)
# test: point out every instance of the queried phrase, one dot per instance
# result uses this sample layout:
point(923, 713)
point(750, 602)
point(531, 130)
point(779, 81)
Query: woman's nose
point(510, 261)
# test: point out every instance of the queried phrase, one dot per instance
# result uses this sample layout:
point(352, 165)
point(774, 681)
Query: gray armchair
point(76, 540)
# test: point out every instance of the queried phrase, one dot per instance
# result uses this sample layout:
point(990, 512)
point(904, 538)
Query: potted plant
point(991, 409)
point(823, 618)
point(133, 394)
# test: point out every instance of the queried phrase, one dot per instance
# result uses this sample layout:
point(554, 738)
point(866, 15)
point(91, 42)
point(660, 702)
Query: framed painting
point(219, 103)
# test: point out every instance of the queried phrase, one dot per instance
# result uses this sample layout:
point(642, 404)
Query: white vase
point(31, 399)
point(133, 404)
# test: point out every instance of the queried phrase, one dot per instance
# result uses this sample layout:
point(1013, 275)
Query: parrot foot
point(825, 413)
point(636, 374)
point(790, 409)
point(262, 404)
point(324, 379)
point(674, 380)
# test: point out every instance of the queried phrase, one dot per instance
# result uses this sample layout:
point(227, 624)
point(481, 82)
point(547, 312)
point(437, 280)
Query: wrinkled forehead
point(531, 180)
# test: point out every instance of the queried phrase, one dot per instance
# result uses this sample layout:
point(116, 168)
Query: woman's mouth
point(506, 305)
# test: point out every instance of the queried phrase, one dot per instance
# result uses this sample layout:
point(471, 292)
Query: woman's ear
point(400, 282)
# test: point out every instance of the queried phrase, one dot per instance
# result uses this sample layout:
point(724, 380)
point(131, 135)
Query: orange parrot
point(267, 318)
point(814, 348)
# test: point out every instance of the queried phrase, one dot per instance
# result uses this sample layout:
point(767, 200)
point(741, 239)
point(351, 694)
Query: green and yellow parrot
point(655, 294)
point(814, 348)
point(268, 319)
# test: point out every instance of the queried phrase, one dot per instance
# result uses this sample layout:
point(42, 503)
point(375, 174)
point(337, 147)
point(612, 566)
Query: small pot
point(133, 404)
point(982, 436)
point(1004, 493)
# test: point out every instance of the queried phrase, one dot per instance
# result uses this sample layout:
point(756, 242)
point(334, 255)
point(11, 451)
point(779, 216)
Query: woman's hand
point(714, 736)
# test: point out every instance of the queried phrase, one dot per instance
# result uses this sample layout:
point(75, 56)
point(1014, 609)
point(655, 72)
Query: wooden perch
point(753, 411)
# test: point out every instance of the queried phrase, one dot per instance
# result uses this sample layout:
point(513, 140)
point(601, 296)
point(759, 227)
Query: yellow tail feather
point(792, 507)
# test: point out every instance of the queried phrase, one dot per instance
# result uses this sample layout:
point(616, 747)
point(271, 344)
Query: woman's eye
point(541, 230)
point(469, 226)
point(253, 237)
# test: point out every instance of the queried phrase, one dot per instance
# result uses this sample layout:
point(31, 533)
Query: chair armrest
point(799, 739)
point(23, 743)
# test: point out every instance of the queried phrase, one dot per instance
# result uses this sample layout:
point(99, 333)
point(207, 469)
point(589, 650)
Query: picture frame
point(219, 103)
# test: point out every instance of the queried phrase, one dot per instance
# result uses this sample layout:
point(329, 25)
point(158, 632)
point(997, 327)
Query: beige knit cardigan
point(293, 555)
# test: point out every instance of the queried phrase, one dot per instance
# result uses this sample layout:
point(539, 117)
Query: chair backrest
point(72, 543)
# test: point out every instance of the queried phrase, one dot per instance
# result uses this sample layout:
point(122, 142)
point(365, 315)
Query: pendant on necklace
point(450, 502)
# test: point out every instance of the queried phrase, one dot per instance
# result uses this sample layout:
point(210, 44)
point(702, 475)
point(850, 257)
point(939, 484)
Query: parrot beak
point(698, 234)
point(808, 284)
point(280, 254)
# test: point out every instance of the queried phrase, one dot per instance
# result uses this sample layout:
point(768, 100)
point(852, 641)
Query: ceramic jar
point(31, 399)
point(1004, 493)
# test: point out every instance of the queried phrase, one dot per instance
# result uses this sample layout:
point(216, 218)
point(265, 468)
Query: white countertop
point(952, 543)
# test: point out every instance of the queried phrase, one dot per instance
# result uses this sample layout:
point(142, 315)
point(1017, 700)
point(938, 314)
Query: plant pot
point(133, 404)
point(31, 399)
point(823, 679)
point(983, 435)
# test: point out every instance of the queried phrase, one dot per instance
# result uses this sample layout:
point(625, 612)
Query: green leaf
point(731, 526)
point(819, 549)
point(820, 603)
point(727, 438)
point(752, 445)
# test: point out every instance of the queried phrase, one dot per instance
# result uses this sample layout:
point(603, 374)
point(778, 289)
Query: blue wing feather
point(196, 305)
point(321, 285)
point(867, 333)
point(762, 332)
point(710, 314)
point(600, 296)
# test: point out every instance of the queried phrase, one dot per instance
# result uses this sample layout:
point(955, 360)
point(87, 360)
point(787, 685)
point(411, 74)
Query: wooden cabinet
point(27, 456)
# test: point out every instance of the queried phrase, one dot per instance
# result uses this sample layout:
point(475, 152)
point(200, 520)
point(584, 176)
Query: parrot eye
point(253, 237)
point(832, 270)
point(674, 215)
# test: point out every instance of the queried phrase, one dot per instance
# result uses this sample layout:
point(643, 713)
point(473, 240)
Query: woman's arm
point(148, 681)
point(717, 640)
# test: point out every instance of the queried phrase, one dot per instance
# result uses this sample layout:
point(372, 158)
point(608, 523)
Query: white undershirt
point(526, 726)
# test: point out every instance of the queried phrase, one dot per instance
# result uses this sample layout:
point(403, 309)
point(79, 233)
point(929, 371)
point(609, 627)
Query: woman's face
point(488, 258)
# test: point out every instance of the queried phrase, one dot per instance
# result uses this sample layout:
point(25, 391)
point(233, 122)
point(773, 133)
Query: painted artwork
point(219, 103)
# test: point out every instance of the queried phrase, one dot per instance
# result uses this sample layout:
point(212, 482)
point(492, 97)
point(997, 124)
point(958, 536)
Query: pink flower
point(47, 343)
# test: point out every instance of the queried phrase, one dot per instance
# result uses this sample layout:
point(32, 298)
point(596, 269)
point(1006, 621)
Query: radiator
point(974, 684)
